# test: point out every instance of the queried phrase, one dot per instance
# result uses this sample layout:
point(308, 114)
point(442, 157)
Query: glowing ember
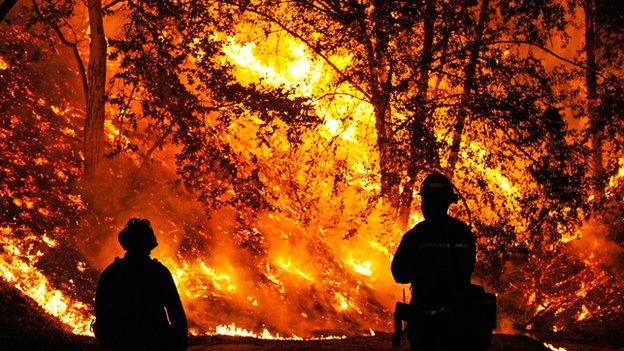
point(3, 64)
point(232, 330)
point(554, 348)
point(583, 314)
point(288, 266)
point(361, 267)
point(317, 256)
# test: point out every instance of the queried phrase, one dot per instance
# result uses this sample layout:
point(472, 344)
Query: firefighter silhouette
point(437, 257)
point(137, 306)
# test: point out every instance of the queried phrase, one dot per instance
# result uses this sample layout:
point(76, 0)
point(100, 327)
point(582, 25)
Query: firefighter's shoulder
point(113, 266)
point(458, 223)
point(159, 267)
point(416, 231)
point(112, 271)
point(461, 228)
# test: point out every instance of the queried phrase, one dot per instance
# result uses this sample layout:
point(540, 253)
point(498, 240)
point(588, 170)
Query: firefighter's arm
point(104, 324)
point(472, 251)
point(175, 311)
point(103, 300)
point(401, 268)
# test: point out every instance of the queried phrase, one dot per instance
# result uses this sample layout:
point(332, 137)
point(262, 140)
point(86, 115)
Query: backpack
point(480, 316)
point(473, 316)
point(104, 332)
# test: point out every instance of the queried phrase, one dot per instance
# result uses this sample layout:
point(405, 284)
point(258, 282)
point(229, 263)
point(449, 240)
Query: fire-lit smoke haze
point(266, 185)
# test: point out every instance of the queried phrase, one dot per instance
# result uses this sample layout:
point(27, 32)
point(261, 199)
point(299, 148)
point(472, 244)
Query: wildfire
point(300, 72)
point(361, 267)
point(17, 266)
point(554, 348)
point(3, 64)
point(232, 330)
point(288, 266)
point(583, 314)
point(221, 281)
point(615, 179)
point(293, 68)
point(296, 260)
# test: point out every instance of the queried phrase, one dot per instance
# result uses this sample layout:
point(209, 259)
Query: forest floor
point(380, 342)
point(25, 326)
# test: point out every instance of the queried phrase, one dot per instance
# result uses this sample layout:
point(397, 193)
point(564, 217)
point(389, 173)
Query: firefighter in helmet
point(137, 306)
point(437, 257)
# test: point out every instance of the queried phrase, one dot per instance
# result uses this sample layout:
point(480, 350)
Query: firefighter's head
point(138, 236)
point(437, 195)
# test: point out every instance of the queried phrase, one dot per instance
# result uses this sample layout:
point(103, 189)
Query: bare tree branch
point(111, 4)
point(541, 47)
point(73, 45)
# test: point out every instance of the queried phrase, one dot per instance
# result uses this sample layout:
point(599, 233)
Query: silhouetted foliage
point(193, 100)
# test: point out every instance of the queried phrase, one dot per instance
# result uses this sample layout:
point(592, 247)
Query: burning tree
point(410, 64)
point(290, 138)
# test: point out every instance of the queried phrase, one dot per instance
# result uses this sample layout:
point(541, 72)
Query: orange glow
point(3, 64)
point(361, 267)
point(554, 348)
point(583, 313)
point(17, 266)
point(300, 270)
point(232, 330)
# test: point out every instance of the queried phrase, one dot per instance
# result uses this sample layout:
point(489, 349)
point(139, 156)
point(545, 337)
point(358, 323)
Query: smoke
point(272, 272)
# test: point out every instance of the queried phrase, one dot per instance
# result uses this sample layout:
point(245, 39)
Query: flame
point(295, 70)
point(614, 180)
point(111, 130)
point(582, 292)
point(221, 281)
point(553, 348)
point(290, 267)
point(583, 313)
point(300, 72)
point(232, 330)
point(361, 267)
point(17, 266)
point(4, 65)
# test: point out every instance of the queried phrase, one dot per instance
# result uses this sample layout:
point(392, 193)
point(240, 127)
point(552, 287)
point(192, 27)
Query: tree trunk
point(592, 93)
point(96, 97)
point(422, 138)
point(388, 181)
point(5, 7)
point(380, 79)
point(469, 87)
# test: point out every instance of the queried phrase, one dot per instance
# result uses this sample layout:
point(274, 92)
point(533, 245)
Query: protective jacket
point(137, 307)
point(437, 257)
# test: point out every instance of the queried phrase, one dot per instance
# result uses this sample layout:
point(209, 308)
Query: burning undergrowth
point(573, 292)
point(223, 279)
point(289, 278)
point(279, 274)
point(40, 205)
point(581, 294)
